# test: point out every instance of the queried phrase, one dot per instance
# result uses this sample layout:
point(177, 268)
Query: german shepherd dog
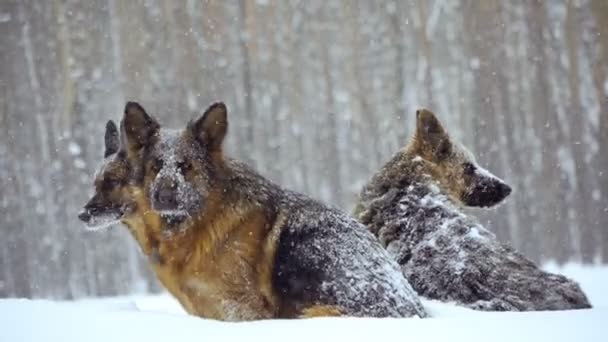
point(412, 204)
point(117, 201)
point(239, 247)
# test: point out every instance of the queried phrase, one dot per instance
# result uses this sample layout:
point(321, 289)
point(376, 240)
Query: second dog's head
point(111, 200)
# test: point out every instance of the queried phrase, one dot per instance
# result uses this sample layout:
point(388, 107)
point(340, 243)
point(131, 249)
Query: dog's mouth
point(174, 217)
point(100, 221)
point(101, 218)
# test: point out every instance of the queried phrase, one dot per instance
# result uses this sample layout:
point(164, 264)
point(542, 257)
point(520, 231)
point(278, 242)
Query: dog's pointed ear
point(138, 126)
point(210, 129)
point(431, 137)
point(111, 139)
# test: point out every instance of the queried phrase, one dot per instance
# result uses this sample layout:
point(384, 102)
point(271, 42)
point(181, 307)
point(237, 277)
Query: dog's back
point(324, 256)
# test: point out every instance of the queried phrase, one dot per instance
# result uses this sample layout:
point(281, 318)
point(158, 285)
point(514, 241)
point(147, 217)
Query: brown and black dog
point(239, 247)
point(117, 201)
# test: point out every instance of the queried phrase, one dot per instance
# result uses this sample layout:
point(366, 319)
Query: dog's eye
point(468, 168)
point(110, 184)
point(184, 166)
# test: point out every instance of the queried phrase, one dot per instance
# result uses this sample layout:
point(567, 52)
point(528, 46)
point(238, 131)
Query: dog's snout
point(487, 193)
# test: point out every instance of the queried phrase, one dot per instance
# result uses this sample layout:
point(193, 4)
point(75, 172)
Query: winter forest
point(319, 93)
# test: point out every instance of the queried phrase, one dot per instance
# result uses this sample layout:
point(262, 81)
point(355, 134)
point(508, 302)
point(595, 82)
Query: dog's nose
point(166, 197)
point(84, 216)
point(505, 190)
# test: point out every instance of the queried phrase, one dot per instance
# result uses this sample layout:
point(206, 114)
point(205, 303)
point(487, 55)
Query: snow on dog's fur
point(412, 206)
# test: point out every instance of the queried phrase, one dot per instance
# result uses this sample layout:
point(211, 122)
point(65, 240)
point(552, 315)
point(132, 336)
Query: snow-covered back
point(355, 271)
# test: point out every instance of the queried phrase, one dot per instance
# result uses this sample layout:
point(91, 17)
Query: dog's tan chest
point(231, 277)
point(227, 293)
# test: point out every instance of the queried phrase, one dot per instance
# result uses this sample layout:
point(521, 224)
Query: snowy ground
point(159, 318)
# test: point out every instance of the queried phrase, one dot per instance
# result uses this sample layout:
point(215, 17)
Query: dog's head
point(453, 166)
point(110, 200)
point(180, 169)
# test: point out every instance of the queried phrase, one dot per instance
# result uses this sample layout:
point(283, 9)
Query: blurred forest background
point(321, 93)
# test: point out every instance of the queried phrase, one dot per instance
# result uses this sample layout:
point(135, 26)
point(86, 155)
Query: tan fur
point(220, 268)
point(145, 226)
point(220, 272)
point(320, 311)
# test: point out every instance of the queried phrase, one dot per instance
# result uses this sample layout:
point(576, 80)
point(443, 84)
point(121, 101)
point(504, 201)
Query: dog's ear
point(138, 126)
point(210, 129)
point(431, 137)
point(111, 139)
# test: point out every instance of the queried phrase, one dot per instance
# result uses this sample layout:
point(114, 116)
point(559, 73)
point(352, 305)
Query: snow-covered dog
point(413, 206)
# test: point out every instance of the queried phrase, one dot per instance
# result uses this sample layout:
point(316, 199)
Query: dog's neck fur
point(404, 189)
point(406, 220)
